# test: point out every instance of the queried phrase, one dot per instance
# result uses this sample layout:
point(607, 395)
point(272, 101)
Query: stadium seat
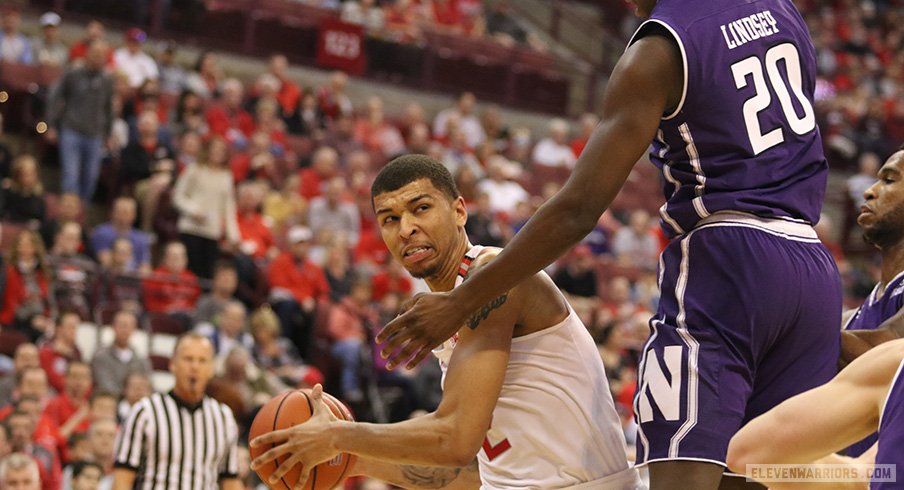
point(159, 363)
point(161, 345)
point(162, 381)
point(104, 312)
point(164, 323)
point(86, 338)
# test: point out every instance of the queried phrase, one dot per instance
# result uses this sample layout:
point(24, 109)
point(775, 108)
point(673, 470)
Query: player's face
point(882, 215)
point(422, 227)
point(642, 8)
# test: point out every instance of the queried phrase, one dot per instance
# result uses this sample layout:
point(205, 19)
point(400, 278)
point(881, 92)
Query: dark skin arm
point(855, 343)
point(646, 83)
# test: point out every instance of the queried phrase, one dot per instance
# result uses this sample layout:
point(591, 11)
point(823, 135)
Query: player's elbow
point(579, 215)
point(746, 448)
point(460, 450)
point(740, 454)
point(458, 447)
point(462, 455)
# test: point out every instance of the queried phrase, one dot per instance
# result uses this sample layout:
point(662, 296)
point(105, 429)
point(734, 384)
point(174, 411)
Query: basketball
point(284, 411)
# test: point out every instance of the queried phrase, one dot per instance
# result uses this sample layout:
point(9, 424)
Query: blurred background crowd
point(144, 196)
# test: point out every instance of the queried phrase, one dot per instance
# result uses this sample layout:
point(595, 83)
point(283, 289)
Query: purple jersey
point(876, 310)
point(744, 134)
point(872, 313)
point(891, 431)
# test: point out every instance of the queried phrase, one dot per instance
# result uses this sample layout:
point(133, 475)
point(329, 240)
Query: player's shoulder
point(484, 257)
point(487, 255)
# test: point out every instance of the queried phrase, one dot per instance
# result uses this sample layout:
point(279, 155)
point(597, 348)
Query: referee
point(182, 439)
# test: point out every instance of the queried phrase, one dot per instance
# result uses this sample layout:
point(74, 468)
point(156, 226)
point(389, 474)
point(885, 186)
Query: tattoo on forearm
point(429, 476)
point(484, 312)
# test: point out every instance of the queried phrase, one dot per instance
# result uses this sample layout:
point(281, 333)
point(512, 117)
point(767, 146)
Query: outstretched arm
point(647, 81)
point(811, 426)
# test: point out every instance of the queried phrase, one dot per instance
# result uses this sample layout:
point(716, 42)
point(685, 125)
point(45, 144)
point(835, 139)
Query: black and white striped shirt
point(173, 445)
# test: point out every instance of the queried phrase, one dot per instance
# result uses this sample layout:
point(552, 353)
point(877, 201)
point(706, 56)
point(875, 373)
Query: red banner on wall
point(341, 46)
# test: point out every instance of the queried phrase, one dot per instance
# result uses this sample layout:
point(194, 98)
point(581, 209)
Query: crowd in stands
point(241, 209)
point(407, 21)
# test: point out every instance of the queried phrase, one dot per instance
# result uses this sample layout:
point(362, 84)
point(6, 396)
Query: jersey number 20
point(754, 67)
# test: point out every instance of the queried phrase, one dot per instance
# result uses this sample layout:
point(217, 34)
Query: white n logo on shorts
point(666, 395)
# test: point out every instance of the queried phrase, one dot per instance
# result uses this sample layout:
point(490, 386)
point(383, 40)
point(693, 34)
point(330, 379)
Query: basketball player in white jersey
point(523, 367)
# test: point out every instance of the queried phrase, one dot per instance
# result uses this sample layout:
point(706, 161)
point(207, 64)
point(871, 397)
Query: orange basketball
point(287, 410)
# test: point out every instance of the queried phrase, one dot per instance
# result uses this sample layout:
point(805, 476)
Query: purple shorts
point(749, 316)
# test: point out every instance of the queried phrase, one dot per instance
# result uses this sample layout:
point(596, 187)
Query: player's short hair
point(18, 461)
point(409, 168)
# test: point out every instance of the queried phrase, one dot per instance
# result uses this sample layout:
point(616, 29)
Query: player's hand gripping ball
point(285, 411)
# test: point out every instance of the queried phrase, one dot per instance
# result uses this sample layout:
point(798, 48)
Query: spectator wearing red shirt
point(57, 354)
point(401, 19)
point(323, 168)
point(296, 286)
point(289, 92)
point(227, 118)
point(25, 356)
point(267, 120)
point(24, 305)
point(255, 243)
point(31, 384)
point(371, 249)
point(256, 162)
point(22, 431)
point(446, 15)
point(93, 31)
point(332, 98)
point(392, 279)
point(68, 412)
point(376, 134)
point(172, 288)
point(256, 235)
point(348, 325)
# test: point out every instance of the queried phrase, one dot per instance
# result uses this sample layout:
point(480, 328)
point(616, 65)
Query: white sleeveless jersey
point(555, 424)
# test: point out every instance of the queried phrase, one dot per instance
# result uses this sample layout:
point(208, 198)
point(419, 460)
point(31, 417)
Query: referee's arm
point(129, 445)
point(229, 467)
point(124, 479)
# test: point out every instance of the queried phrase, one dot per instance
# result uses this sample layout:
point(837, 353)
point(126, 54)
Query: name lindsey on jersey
point(750, 28)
